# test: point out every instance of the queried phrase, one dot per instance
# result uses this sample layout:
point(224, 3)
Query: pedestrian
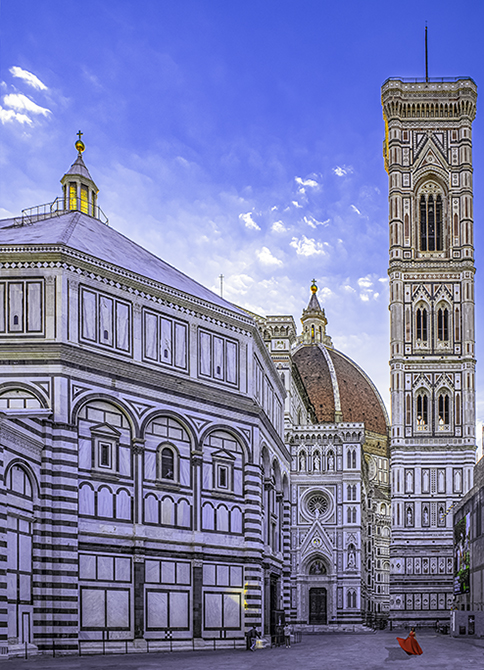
point(287, 635)
point(252, 635)
point(410, 644)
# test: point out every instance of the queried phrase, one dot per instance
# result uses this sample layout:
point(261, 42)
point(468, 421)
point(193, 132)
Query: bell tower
point(428, 156)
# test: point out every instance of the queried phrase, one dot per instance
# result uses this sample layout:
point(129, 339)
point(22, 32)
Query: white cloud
point(274, 208)
point(349, 288)
point(307, 182)
point(365, 282)
point(266, 258)
point(355, 209)
point(278, 227)
point(307, 246)
point(7, 115)
point(343, 170)
point(21, 102)
point(249, 221)
point(312, 222)
point(28, 77)
point(296, 204)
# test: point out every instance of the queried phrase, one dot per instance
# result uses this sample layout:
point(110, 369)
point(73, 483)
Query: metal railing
point(430, 80)
point(59, 207)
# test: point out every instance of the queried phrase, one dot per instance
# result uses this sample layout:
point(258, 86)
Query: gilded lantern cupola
point(79, 190)
point(314, 321)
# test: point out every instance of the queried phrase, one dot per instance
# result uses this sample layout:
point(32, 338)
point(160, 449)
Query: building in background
point(428, 157)
point(174, 471)
point(468, 611)
point(340, 490)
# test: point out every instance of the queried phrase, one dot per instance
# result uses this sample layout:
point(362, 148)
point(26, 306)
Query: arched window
point(348, 515)
point(349, 491)
point(443, 324)
point(430, 222)
point(422, 331)
point(167, 463)
point(443, 409)
point(354, 515)
point(422, 409)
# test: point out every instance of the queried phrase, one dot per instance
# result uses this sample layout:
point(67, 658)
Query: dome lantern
point(314, 321)
point(79, 190)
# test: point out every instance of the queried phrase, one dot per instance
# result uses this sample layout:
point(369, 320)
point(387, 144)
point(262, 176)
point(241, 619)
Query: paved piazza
point(322, 652)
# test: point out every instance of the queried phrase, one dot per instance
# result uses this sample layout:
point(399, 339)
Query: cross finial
point(80, 144)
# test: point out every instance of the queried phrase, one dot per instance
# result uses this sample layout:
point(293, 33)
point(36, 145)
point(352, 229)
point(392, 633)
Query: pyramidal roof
point(78, 168)
point(90, 236)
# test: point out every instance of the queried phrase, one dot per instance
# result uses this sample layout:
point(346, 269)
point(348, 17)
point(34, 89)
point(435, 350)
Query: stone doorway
point(317, 607)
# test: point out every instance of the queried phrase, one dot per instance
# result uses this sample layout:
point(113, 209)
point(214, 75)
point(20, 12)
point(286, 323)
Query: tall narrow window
point(443, 409)
point(422, 410)
point(422, 324)
point(443, 324)
point(167, 464)
point(431, 223)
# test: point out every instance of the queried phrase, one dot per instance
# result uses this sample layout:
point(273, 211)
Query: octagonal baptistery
point(341, 560)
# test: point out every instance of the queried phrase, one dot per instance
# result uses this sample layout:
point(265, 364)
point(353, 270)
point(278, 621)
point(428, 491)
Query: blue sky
point(241, 137)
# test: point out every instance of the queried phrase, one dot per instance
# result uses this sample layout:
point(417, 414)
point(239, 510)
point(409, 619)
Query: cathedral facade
point(174, 469)
point(428, 157)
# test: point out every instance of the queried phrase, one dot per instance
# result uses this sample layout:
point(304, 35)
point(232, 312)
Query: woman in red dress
point(410, 644)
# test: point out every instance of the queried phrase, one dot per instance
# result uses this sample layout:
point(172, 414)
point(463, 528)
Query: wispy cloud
point(278, 227)
point(21, 103)
point(367, 292)
point(305, 184)
point(296, 204)
point(342, 170)
point(307, 246)
point(266, 258)
point(28, 78)
point(8, 115)
point(313, 223)
point(249, 221)
point(355, 209)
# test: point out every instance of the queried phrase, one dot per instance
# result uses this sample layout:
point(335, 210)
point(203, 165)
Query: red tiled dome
point(359, 400)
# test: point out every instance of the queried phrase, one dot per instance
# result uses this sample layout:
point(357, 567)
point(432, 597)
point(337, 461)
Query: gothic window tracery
point(443, 411)
point(422, 410)
point(443, 324)
point(431, 218)
point(421, 324)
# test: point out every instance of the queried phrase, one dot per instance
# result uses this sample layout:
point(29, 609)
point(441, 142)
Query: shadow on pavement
point(396, 654)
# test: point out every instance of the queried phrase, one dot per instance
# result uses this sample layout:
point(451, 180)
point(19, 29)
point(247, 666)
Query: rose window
point(317, 504)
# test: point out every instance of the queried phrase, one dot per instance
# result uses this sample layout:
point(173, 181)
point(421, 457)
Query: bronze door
point(317, 607)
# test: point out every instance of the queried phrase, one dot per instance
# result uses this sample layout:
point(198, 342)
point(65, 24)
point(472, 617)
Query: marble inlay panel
point(152, 572)
point(105, 502)
point(185, 471)
point(125, 460)
point(87, 566)
point(207, 476)
point(167, 572)
point(157, 609)
point(209, 575)
point(151, 509)
point(92, 604)
point(123, 505)
point(238, 481)
point(222, 575)
point(117, 608)
point(213, 611)
point(179, 609)
point(231, 610)
point(235, 575)
point(85, 453)
point(123, 569)
point(183, 514)
point(183, 573)
point(150, 465)
point(105, 568)
point(208, 517)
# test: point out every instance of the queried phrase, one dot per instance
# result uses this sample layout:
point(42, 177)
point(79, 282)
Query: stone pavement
point(315, 652)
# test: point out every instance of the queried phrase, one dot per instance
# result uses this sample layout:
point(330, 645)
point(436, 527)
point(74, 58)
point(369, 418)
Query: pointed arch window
point(443, 324)
point(430, 222)
point(443, 410)
point(422, 410)
point(422, 330)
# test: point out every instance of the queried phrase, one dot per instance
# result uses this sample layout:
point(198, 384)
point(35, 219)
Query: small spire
point(426, 56)
point(80, 146)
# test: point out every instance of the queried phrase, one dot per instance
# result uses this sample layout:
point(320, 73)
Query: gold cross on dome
point(79, 134)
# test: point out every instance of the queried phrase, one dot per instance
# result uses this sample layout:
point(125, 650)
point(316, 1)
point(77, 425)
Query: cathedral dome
point(338, 389)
